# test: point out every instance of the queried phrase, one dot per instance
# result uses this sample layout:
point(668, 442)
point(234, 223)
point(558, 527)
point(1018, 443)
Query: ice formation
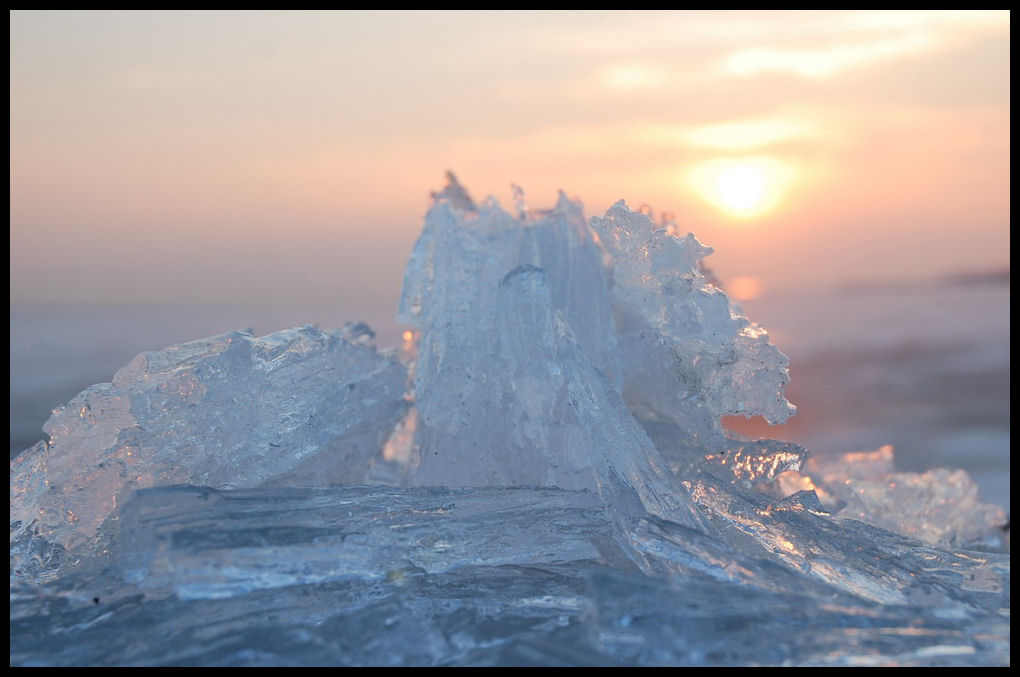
point(688, 357)
point(541, 477)
point(500, 302)
point(939, 506)
point(299, 407)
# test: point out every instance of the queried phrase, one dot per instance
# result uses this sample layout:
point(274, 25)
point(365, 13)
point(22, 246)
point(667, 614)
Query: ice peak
point(454, 194)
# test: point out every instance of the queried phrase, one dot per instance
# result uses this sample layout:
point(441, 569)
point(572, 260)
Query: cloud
point(847, 41)
point(820, 63)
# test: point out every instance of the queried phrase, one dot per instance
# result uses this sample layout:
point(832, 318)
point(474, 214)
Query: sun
point(742, 187)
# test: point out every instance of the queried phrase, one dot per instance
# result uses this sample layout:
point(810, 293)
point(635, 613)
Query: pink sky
point(179, 158)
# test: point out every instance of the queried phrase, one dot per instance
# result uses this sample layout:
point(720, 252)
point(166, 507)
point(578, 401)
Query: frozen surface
point(206, 543)
point(560, 491)
point(290, 577)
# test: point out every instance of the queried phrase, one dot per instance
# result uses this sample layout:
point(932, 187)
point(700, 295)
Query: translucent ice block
point(302, 406)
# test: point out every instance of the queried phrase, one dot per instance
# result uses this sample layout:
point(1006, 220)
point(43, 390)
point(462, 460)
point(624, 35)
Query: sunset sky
point(213, 158)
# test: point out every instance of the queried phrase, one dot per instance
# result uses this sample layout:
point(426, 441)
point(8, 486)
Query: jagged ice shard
point(505, 390)
point(541, 476)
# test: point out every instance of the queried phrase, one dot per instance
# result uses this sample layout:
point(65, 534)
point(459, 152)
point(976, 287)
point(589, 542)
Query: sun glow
point(742, 187)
